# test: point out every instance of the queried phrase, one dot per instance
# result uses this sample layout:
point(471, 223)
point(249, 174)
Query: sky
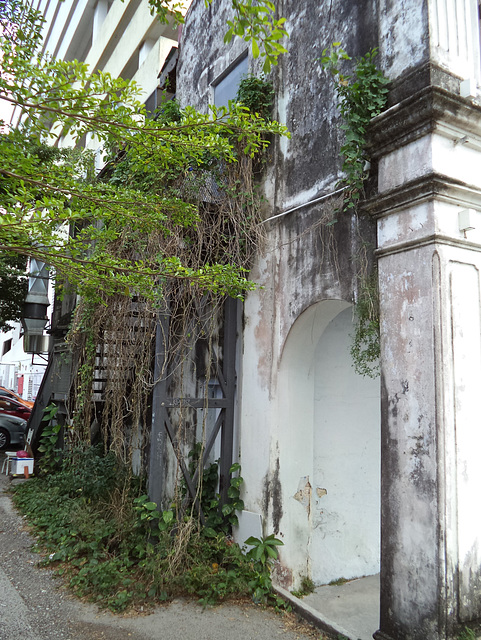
point(5, 111)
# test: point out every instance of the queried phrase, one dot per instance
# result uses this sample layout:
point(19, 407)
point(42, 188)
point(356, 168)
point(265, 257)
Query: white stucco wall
point(347, 458)
point(465, 311)
point(328, 439)
point(310, 444)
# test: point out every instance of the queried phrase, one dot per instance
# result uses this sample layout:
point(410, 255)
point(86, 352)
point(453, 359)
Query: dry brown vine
point(113, 343)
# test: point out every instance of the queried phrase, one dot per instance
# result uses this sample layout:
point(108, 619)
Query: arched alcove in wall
point(328, 450)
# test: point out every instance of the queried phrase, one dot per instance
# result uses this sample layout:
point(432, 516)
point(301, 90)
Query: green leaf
point(227, 509)
point(229, 35)
point(272, 552)
point(168, 516)
point(273, 541)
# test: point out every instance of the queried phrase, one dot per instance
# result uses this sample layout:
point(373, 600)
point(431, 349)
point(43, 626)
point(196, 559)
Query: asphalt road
point(34, 605)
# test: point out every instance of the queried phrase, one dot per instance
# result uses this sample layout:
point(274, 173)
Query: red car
point(11, 407)
point(11, 395)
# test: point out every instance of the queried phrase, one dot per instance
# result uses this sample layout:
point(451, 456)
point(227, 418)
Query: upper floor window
point(226, 86)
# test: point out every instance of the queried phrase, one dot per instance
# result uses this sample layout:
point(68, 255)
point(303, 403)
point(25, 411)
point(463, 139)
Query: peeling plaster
point(303, 494)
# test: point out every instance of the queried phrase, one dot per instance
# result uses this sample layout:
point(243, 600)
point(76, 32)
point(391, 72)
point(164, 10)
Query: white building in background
point(19, 371)
point(114, 36)
point(24, 348)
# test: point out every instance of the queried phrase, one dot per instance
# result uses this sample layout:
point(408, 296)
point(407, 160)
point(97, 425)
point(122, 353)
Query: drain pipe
point(305, 204)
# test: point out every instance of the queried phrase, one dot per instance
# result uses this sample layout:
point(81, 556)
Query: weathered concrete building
point(312, 435)
point(355, 475)
point(309, 429)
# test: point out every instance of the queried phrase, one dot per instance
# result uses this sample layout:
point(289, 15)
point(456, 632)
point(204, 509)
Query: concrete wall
point(346, 447)
point(427, 147)
point(286, 411)
point(328, 440)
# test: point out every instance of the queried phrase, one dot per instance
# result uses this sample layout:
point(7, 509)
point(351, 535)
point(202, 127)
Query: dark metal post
point(158, 434)
point(229, 371)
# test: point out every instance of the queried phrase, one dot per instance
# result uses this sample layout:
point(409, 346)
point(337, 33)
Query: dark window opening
point(7, 345)
point(226, 87)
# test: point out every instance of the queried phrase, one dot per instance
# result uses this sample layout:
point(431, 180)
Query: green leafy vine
point(365, 347)
point(254, 21)
point(362, 96)
point(257, 94)
point(49, 441)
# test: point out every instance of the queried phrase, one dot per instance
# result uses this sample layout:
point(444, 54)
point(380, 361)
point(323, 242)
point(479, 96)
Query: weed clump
point(113, 547)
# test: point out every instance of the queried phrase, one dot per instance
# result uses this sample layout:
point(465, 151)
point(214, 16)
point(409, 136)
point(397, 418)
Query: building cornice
point(431, 109)
point(430, 187)
point(433, 239)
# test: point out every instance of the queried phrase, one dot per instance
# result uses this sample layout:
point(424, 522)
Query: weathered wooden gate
point(163, 403)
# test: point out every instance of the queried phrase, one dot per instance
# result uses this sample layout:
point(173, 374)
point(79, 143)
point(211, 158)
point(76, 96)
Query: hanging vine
point(113, 338)
point(361, 97)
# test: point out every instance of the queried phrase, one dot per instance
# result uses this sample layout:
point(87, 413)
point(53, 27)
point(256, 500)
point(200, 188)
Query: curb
point(312, 615)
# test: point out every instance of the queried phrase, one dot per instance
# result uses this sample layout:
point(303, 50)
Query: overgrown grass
point(103, 539)
point(307, 587)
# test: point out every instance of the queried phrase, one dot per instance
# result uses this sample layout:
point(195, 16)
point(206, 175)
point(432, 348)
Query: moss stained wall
point(304, 260)
point(307, 165)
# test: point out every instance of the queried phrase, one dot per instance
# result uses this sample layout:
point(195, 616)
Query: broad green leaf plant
point(361, 96)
